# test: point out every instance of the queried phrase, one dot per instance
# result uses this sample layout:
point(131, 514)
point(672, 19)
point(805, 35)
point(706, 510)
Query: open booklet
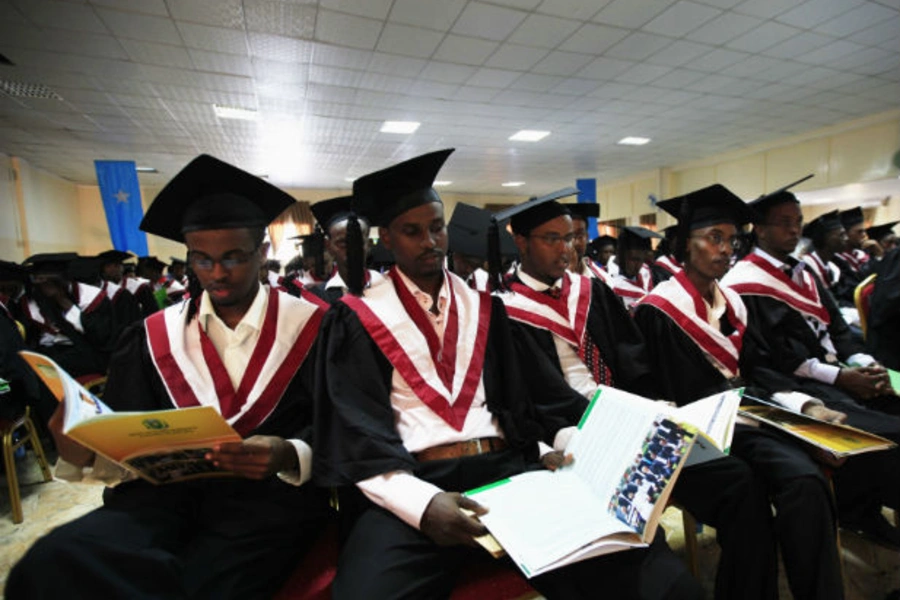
point(628, 452)
point(161, 446)
point(840, 441)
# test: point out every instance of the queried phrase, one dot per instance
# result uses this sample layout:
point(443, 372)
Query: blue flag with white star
point(121, 196)
point(587, 192)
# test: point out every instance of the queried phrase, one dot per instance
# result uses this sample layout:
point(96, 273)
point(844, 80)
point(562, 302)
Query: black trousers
point(201, 539)
point(804, 511)
point(726, 494)
point(385, 558)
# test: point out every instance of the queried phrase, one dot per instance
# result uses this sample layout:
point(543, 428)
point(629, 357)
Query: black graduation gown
point(24, 388)
point(207, 538)
point(329, 295)
point(883, 326)
point(847, 282)
point(804, 516)
point(615, 334)
point(355, 436)
point(659, 274)
point(126, 310)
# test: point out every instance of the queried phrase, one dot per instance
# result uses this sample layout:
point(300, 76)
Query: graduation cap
point(151, 262)
point(822, 225)
point(602, 240)
point(85, 269)
point(636, 238)
point(56, 262)
point(852, 217)
point(211, 194)
point(175, 261)
point(708, 206)
point(877, 232)
point(332, 210)
point(113, 256)
point(384, 195)
point(765, 202)
point(535, 211)
point(468, 232)
point(10, 271)
point(584, 210)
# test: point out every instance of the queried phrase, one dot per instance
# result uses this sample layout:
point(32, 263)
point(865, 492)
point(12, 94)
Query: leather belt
point(460, 449)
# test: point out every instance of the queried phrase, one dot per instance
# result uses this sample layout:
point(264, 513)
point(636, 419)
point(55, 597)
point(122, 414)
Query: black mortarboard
point(708, 206)
point(876, 232)
point(329, 211)
point(211, 194)
point(535, 211)
point(852, 217)
point(823, 224)
point(636, 238)
point(56, 262)
point(113, 256)
point(602, 240)
point(176, 261)
point(10, 271)
point(762, 204)
point(468, 232)
point(386, 194)
point(85, 269)
point(583, 210)
point(152, 262)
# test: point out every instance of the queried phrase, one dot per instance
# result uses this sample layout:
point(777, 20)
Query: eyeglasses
point(201, 262)
point(716, 239)
point(553, 239)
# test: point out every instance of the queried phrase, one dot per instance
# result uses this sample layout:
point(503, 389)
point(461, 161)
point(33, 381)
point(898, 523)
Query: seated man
point(808, 342)
point(69, 321)
point(828, 238)
point(422, 398)
point(630, 275)
point(883, 329)
point(239, 348)
point(695, 337)
point(583, 265)
point(583, 333)
point(665, 266)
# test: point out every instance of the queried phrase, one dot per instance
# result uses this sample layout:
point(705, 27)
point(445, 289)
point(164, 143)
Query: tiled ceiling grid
point(138, 79)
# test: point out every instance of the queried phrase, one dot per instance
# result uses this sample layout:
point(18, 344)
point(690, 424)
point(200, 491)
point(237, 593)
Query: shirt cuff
point(402, 493)
point(543, 449)
point(795, 401)
point(304, 459)
point(813, 368)
point(860, 360)
point(73, 316)
point(563, 436)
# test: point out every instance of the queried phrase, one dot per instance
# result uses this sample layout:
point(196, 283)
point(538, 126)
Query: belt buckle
point(478, 446)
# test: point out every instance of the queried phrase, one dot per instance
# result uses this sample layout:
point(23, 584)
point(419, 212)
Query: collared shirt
point(813, 368)
point(235, 347)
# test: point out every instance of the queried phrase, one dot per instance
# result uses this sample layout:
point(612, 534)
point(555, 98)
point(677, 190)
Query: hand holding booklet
point(628, 452)
point(161, 446)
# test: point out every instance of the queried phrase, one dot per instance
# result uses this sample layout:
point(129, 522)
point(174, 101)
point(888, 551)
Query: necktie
point(590, 355)
point(553, 292)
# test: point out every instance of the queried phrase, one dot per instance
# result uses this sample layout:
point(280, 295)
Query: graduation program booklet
point(840, 441)
point(628, 452)
point(162, 446)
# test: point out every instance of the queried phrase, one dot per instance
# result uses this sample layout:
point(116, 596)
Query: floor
point(870, 571)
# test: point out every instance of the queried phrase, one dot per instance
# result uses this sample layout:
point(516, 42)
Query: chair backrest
point(862, 296)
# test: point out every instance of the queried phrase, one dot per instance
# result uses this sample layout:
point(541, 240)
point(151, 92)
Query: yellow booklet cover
point(161, 446)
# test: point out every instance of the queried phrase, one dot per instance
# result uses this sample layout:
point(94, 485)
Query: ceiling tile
point(218, 13)
point(571, 9)
point(140, 27)
point(861, 58)
point(763, 37)
point(493, 78)
point(765, 9)
point(515, 57)
point(679, 53)
point(409, 41)
point(431, 14)
point(468, 93)
point(375, 9)
point(810, 14)
point(347, 30)
point(679, 79)
point(605, 68)
point(150, 7)
point(279, 48)
point(487, 21)
point(638, 46)
point(61, 15)
point(630, 13)
point(798, 45)
point(562, 63)
point(447, 72)
point(642, 73)
point(886, 31)
point(536, 83)
point(859, 18)
point(830, 53)
point(214, 39)
point(217, 62)
point(593, 39)
point(280, 18)
point(544, 31)
point(158, 54)
point(724, 28)
point(463, 50)
point(394, 65)
point(681, 18)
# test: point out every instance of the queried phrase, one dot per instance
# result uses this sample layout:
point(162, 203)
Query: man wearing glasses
point(239, 347)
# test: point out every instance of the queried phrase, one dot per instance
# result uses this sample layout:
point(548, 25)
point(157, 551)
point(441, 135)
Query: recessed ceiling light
point(233, 112)
point(399, 127)
point(441, 183)
point(529, 135)
point(513, 183)
point(633, 141)
point(146, 169)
